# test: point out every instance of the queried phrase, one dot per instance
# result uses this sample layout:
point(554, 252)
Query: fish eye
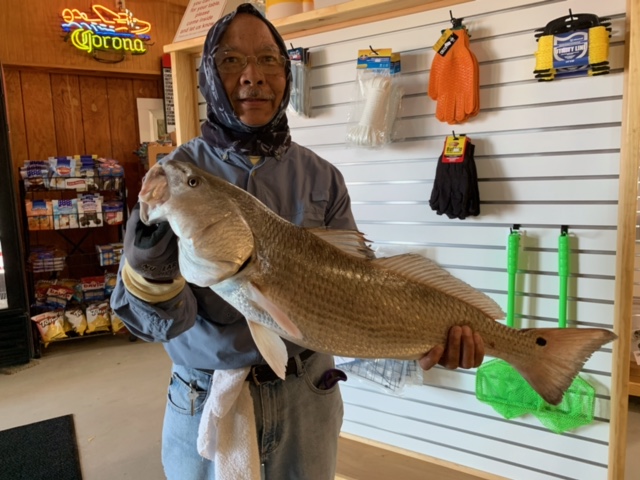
point(193, 181)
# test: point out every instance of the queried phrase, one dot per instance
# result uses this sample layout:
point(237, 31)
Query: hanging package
point(573, 45)
point(454, 78)
point(455, 187)
point(300, 99)
point(377, 99)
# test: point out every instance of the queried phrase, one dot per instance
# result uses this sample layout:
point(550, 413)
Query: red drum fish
point(324, 290)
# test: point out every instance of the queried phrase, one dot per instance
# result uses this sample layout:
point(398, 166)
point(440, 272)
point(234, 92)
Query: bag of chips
point(75, 317)
point(98, 317)
point(50, 325)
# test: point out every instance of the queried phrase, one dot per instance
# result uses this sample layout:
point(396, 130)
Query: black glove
point(152, 251)
point(441, 192)
point(472, 201)
point(455, 188)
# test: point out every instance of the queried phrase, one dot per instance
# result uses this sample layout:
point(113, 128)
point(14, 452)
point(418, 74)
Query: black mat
point(44, 450)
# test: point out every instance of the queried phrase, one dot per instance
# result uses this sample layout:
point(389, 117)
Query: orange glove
point(454, 83)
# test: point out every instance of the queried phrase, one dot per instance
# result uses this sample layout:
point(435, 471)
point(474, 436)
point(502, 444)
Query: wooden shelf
point(353, 13)
point(346, 14)
point(350, 13)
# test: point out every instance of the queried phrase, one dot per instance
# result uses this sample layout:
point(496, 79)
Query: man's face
point(254, 94)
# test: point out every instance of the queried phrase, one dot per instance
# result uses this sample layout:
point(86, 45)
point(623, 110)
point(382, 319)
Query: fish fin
point(561, 353)
point(233, 242)
point(280, 317)
point(427, 272)
point(352, 242)
point(271, 347)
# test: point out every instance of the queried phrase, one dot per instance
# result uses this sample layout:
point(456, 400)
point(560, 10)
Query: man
point(245, 78)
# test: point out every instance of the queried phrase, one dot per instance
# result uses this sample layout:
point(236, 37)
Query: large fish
point(323, 290)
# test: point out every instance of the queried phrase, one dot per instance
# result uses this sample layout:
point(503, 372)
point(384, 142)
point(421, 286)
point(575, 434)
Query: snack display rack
point(73, 226)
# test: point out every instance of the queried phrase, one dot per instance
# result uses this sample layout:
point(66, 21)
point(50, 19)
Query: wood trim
point(627, 207)
point(363, 459)
point(185, 100)
point(355, 12)
point(81, 71)
point(348, 14)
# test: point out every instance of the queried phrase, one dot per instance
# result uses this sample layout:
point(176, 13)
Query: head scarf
point(223, 129)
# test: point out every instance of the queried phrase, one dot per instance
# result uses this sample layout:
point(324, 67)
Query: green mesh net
point(499, 385)
point(575, 410)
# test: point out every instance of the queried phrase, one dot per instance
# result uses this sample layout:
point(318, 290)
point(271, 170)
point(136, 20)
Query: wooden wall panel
point(15, 110)
point(38, 114)
point(124, 131)
point(147, 88)
point(95, 115)
point(52, 113)
point(30, 34)
point(67, 112)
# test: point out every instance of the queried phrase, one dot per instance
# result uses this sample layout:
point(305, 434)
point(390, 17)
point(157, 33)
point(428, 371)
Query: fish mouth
point(154, 193)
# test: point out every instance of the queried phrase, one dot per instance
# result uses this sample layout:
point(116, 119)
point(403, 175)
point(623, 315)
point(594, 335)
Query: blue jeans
point(298, 425)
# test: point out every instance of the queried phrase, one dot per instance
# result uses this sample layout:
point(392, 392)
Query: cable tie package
point(377, 99)
point(300, 99)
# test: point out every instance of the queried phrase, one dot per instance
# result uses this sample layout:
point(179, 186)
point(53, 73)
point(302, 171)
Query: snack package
point(117, 325)
point(39, 214)
point(90, 210)
point(76, 318)
point(35, 175)
point(98, 319)
point(93, 288)
point(62, 168)
point(112, 212)
point(50, 325)
point(42, 287)
point(74, 285)
point(110, 174)
point(59, 295)
point(46, 259)
point(110, 280)
point(65, 214)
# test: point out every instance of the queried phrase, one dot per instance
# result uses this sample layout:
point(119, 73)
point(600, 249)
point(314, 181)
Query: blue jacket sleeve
point(154, 322)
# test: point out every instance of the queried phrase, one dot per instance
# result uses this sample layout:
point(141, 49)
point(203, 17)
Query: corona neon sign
point(105, 30)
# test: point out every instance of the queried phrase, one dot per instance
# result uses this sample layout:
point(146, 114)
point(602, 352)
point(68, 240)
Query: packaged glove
point(455, 188)
point(454, 78)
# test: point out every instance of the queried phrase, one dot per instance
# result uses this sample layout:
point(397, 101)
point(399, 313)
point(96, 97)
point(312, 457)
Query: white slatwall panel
point(547, 155)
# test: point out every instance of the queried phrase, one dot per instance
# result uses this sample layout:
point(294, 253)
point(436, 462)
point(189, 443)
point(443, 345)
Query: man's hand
point(465, 349)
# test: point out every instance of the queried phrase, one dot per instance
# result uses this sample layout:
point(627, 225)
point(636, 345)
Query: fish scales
point(327, 290)
point(293, 283)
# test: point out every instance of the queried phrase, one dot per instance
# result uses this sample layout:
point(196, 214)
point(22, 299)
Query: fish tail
point(560, 355)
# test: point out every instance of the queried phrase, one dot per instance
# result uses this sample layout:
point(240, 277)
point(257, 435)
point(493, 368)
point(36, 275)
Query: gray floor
point(116, 391)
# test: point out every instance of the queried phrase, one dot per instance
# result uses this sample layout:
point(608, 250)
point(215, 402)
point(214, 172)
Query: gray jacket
point(199, 329)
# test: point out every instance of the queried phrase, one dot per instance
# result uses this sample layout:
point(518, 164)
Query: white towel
point(227, 433)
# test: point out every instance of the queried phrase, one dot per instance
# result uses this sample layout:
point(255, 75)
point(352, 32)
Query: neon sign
point(105, 30)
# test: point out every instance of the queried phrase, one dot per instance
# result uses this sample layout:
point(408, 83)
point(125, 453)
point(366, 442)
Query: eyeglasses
point(234, 62)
